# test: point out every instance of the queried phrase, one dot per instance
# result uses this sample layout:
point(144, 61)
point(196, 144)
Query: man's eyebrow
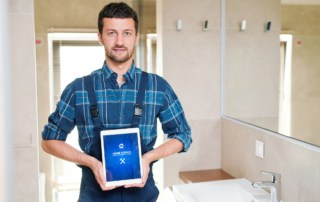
point(112, 29)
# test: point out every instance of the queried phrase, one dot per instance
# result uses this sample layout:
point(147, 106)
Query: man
point(115, 89)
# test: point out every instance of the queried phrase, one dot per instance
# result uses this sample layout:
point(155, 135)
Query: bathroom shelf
point(204, 175)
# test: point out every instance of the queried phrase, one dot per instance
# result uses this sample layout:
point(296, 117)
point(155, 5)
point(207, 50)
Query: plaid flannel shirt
point(116, 105)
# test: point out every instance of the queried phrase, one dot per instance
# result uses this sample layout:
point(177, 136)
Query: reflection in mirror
point(270, 83)
point(285, 84)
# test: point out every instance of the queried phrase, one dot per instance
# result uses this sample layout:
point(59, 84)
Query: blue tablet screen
point(121, 153)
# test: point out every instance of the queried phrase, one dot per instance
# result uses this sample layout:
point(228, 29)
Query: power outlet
point(259, 149)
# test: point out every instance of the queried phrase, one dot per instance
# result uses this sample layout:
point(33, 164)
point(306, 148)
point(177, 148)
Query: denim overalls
point(90, 190)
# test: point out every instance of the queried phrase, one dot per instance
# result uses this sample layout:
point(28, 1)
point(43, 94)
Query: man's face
point(119, 39)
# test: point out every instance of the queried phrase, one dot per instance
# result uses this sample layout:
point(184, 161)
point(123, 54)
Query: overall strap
point(138, 107)
point(94, 111)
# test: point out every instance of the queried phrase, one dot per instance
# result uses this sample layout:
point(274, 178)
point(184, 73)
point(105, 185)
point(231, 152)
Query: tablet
point(121, 156)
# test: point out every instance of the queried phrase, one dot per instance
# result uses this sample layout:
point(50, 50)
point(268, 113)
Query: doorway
point(72, 55)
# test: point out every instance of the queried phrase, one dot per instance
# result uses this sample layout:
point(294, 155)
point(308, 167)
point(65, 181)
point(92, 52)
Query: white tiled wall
point(298, 163)
point(23, 100)
point(191, 64)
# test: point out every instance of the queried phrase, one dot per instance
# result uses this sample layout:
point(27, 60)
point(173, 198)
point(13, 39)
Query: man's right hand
point(97, 169)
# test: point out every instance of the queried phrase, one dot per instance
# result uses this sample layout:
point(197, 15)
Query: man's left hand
point(146, 169)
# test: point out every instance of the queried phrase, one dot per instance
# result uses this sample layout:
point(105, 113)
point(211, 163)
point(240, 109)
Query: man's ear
point(100, 38)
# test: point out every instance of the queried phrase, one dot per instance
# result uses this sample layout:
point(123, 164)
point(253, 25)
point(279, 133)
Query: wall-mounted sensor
point(268, 26)
point(179, 25)
point(243, 25)
point(205, 25)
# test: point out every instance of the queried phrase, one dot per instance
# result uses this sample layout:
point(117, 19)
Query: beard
point(119, 59)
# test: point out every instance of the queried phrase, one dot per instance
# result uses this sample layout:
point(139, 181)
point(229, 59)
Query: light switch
point(259, 149)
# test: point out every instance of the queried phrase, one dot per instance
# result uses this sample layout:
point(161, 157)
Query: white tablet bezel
point(117, 132)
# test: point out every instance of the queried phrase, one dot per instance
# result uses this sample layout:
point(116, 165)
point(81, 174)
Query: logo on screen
point(122, 160)
point(121, 146)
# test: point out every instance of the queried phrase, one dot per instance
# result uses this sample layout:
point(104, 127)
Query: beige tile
point(251, 59)
point(21, 6)
point(22, 62)
point(256, 14)
point(196, 78)
point(298, 163)
point(192, 13)
point(205, 150)
point(26, 174)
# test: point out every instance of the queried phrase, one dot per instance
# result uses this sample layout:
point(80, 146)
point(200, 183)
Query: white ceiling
point(309, 2)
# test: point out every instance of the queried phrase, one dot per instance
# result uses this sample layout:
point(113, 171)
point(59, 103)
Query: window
point(73, 55)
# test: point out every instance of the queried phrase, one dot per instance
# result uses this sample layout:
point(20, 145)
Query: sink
point(233, 190)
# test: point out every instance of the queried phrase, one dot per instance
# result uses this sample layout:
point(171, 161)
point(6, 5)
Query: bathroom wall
point(23, 111)
point(191, 64)
point(297, 162)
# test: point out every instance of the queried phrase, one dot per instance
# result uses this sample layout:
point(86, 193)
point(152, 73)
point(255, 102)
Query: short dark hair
point(117, 10)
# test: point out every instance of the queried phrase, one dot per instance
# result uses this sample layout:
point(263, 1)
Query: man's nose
point(119, 40)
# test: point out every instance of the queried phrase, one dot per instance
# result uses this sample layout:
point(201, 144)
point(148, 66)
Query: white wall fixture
point(243, 25)
point(179, 25)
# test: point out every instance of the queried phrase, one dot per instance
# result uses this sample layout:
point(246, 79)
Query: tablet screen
point(121, 156)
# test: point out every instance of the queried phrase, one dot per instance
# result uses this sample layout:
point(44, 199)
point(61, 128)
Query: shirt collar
point(129, 75)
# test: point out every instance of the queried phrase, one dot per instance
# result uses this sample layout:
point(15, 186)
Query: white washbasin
point(234, 190)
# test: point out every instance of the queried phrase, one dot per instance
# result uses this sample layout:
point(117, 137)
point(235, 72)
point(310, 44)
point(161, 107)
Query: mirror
point(272, 76)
